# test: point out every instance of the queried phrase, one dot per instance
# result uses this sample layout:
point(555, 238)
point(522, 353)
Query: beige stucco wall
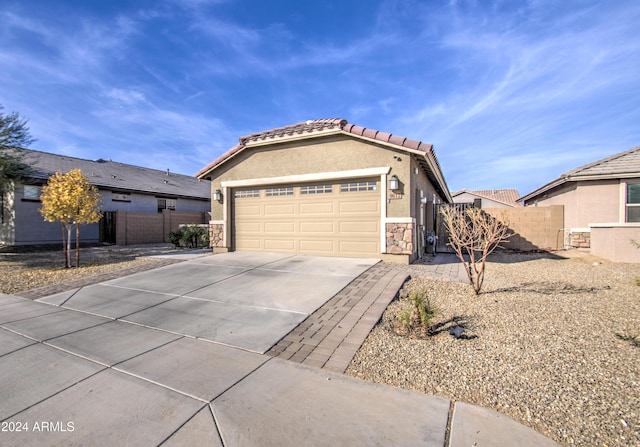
point(322, 154)
point(586, 202)
point(613, 242)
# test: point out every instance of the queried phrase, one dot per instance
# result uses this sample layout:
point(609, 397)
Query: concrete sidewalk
point(69, 377)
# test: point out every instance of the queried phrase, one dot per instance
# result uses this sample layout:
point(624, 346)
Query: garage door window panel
point(358, 186)
point(277, 192)
point(247, 194)
point(316, 189)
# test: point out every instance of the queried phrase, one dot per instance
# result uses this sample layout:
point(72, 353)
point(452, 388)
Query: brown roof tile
point(412, 144)
point(370, 133)
point(356, 130)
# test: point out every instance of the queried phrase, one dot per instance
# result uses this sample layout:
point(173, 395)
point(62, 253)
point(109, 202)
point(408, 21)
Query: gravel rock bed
point(543, 346)
point(25, 268)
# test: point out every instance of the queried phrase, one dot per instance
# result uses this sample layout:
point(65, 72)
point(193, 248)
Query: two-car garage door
point(333, 218)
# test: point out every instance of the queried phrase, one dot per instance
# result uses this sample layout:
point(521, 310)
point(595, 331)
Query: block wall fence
point(535, 227)
point(152, 228)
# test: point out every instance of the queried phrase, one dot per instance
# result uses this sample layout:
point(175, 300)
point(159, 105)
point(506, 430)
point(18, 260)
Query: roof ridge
point(299, 128)
point(103, 161)
point(599, 162)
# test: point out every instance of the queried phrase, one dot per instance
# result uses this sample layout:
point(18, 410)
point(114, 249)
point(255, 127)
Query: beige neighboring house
point(326, 187)
point(601, 205)
point(489, 198)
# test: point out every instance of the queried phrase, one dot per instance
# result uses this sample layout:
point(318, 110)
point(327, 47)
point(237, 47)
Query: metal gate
point(108, 227)
point(442, 244)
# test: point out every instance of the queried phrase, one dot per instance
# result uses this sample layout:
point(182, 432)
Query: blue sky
point(511, 93)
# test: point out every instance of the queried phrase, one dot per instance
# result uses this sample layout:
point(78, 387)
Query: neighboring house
point(491, 198)
point(325, 187)
point(122, 187)
point(601, 204)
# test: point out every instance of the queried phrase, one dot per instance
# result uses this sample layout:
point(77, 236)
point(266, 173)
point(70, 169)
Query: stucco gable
point(424, 152)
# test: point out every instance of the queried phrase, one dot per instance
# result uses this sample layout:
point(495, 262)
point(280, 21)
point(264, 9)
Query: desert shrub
point(191, 236)
point(194, 236)
point(418, 313)
point(474, 235)
point(175, 236)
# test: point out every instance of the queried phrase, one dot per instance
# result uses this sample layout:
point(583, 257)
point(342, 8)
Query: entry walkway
point(330, 337)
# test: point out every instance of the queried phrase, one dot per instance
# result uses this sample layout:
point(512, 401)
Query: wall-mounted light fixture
point(394, 183)
point(217, 196)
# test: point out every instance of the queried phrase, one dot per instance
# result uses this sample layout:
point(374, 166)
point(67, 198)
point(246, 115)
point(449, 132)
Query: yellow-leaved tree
point(70, 199)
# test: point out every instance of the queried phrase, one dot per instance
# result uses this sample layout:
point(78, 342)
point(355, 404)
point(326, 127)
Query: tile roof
point(318, 127)
point(622, 165)
point(627, 162)
point(109, 174)
point(506, 196)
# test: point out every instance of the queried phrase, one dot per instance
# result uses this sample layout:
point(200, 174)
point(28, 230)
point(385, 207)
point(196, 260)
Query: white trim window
point(166, 204)
point(633, 202)
point(31, 193)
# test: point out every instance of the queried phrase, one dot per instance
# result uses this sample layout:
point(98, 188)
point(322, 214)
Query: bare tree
point(474, 235)
point(14, 136)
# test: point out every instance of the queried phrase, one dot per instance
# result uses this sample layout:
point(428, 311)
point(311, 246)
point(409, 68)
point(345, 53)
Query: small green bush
point(424, 308)
point(420, 313)
point(175, 236)
point(191, 236)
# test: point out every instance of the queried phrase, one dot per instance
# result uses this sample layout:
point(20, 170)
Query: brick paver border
point(331, 336)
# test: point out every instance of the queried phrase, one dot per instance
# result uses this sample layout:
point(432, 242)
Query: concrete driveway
point(240, 299)
point(172, 357)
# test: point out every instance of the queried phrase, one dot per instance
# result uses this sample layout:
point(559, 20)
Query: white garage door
point(334, 218)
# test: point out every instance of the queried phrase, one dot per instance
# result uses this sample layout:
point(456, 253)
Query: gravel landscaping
point(548, 342)
point(553, 340)
point(24, 268)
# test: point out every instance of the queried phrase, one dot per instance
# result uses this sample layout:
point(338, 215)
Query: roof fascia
point(244, 144)
point(287, 138)
point(428, 157)
point(314, 177)
point(577, 178)
point(555, 183)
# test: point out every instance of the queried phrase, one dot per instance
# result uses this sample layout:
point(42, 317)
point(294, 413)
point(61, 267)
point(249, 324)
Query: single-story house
point(601, 205)
point(491, 198)
point(122, 187)
point(325, 187)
